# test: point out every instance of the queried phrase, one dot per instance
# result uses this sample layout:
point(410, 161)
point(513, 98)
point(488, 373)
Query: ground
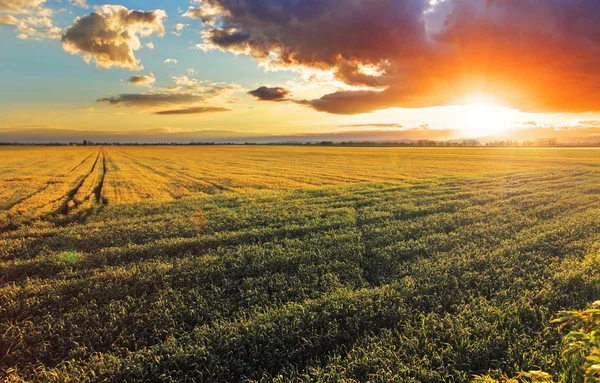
point(291, 263)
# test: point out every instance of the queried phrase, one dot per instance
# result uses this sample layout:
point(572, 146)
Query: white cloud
point(32, 20)
point(179, 29)
point(79, 3)
point(111, 34)
point(20, 6)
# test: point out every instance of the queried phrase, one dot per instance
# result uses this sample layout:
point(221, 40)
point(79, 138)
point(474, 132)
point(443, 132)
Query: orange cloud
point(536, 55)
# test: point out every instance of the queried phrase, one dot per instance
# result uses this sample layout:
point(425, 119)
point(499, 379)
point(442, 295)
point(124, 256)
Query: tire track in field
point(115, 184)
point(64, 206)
point(25, 198)
point(42, 189)
point(81, 163)
point(169, 176)
point(100, 184)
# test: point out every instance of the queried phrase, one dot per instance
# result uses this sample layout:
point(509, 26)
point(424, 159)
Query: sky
point(219, 70)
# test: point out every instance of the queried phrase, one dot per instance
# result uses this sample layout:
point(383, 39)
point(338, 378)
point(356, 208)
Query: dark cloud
point(188, 96)
point(350, 102)
point(152, 100)
point(110, 35)
point(187, 92)
point(315, 32)
point(194, 110)
point(270, 94)
point(536, 55)
point(145, 81)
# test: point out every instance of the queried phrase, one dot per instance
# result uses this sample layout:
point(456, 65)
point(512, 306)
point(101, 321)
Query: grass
point(304, 264)
point(68, 258)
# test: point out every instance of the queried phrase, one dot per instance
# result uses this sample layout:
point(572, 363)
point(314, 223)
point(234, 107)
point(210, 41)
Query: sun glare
point(480, 115)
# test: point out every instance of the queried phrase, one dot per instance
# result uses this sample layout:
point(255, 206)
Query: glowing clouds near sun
point(111, 34)
point(537, 55)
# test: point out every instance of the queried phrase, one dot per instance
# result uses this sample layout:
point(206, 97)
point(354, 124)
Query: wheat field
point(63, 183)
point(244, 263)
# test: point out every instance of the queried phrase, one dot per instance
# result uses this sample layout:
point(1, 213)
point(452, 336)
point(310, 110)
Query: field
point(226, 264)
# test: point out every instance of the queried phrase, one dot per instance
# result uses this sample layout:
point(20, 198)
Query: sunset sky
point(155, 71)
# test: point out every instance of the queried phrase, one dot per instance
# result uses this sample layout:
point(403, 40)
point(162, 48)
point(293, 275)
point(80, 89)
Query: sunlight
point(479, 115)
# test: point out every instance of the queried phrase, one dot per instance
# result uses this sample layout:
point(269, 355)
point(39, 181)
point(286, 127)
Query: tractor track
point(63, 209)
point(81, 163)
point(100, 184)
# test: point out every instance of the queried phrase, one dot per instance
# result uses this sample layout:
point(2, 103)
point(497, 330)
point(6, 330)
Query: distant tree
point(85, 142)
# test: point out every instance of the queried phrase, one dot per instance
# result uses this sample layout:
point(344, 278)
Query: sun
point(480, 115)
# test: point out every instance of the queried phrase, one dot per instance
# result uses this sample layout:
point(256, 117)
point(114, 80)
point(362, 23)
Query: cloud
point(111, 34)
point(373, 125)
point(145, 81)
point(187, 96)
point(47, 134)
point(170, 61)
point(79, 3)
point(353, 102)
point(8, 20)
point(419, 53)
point(270, 94)
point(150, 45)
point(152, 100)
point(37, 28)
point(292, 33)
point(20, 6)
point(192, 85)
point(589, 123)
point(186, 82)
point(163, 99)
point(86, 110)
point(194, 110)
point(31, 19)
point(179, 29)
